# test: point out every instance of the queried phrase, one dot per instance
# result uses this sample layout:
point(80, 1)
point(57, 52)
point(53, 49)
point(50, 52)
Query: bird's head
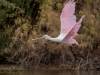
point(45, 37)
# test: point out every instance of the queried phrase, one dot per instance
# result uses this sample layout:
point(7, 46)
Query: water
point(53, 72)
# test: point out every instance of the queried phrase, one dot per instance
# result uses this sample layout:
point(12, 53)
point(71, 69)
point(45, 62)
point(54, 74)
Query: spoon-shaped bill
point(37, 38)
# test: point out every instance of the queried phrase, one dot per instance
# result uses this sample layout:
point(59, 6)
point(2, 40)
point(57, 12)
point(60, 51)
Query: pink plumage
point(68, 19)
point(69, 27)
point(69, 39)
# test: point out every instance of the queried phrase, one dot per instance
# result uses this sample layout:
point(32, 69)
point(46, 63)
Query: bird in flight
point(69, 26)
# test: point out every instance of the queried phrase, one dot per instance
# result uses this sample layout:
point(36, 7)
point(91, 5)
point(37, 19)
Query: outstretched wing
point(75, 29)
point(73, 33)
point(68, 19)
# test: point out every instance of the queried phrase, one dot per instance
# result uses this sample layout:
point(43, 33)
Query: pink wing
point(68, 19)
point(75, 29)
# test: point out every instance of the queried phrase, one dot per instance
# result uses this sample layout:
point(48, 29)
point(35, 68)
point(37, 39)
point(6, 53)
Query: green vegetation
point(22, 20)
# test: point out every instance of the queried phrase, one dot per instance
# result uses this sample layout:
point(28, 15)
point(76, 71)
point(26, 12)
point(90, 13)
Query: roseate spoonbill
point(69, 27)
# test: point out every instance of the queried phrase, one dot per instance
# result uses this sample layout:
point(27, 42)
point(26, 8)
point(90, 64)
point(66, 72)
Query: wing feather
point(68, 19)
point(75, 29)
point(73, 32)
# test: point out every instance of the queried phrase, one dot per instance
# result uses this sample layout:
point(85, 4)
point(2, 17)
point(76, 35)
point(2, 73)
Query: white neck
point(53, 39)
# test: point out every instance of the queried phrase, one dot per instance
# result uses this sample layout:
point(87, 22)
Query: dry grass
point(34, 53)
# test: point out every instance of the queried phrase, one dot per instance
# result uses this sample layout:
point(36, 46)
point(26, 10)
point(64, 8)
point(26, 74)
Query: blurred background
point(23, 20)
